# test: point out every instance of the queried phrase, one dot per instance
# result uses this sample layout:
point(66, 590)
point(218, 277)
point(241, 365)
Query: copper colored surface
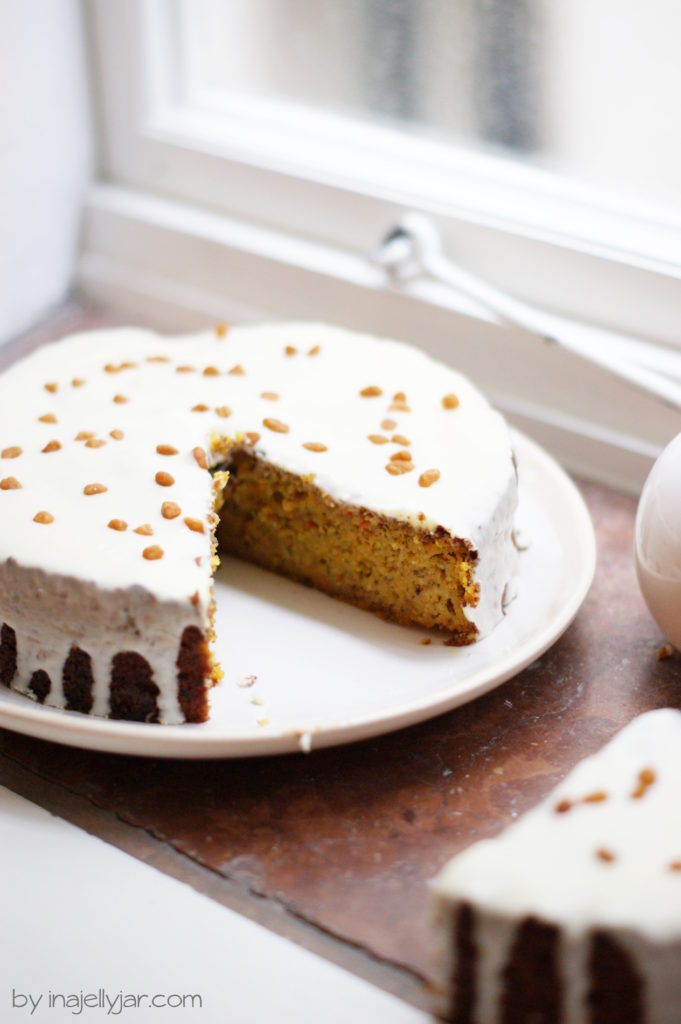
point(335, 848)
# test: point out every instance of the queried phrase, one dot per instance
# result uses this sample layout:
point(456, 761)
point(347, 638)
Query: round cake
point(356, 465)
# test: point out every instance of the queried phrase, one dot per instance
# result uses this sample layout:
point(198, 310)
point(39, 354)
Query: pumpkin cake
point(573, 914)
point(356, 465)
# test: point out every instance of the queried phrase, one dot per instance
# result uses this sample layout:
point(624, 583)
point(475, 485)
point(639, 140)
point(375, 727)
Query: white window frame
point(211, 206)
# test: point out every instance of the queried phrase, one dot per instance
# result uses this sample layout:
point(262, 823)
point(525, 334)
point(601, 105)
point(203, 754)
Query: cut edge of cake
point(286, 524)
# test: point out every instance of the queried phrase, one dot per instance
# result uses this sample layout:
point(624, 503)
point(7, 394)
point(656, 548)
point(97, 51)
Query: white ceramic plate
point(303, 670)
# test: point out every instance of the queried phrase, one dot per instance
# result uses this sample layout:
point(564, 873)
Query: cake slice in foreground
point(573, 914)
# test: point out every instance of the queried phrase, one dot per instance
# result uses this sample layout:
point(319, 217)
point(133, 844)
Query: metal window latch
point(413, 249)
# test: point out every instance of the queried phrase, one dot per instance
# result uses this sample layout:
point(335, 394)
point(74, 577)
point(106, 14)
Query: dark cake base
point(133, 692)
point(531, 990)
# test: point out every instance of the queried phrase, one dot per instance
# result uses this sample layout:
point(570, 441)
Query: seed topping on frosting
point(315, 350)
point(237, 371)
point(117, 524)
point(223, 411)
point(401, 456)
point(170, 510)
point(290, 350)
point(605, 855)
point(164, 479)
point(120, 399)
point(194, 524)
point(646, 778)
point(211, 371)
point(371, 392)
point(269, 396)
point(158, 359)
point(153, 553)
point(166, 449)
point(113, 368)
point(315, 446)
point(398, 468)
point(185, 369)
point(400, 439)
point(378, 438)
point(117, 435)
point(52, 446)
point(429, 477)
point(675, 865)
point(144, 530)
point(399, 406)
point(10, 483)
point(77, 382)
point(200, 407)
point(95, 489)
point(276, 425)
point(11, 453)
point(252, 437)
point(200, 457)
point(95, 442)
point(221, 330)
point(51, 387)
point(563, 806)
point(84, 435)
point(388, 424)
point(43, 517)
point(450, 402)
point(48, 417)
point(597, 797)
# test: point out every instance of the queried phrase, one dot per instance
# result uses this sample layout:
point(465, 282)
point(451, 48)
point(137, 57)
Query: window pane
point(586, 89)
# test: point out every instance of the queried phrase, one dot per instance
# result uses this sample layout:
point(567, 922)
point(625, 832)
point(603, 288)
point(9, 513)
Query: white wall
point(45, 154)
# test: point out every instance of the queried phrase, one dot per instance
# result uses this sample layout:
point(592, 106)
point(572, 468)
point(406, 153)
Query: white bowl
point(658, 542)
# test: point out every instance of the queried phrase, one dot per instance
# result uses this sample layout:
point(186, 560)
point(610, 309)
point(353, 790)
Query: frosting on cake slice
point(360, 466)
point(573, 914)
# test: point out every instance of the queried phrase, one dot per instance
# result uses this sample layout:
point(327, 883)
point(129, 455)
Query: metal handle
point(413, 248)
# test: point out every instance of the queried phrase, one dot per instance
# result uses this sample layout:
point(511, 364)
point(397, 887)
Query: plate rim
point(186, 742)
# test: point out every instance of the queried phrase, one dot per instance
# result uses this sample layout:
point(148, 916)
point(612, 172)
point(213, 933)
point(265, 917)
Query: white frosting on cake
point(317, 373)
point(611, 862)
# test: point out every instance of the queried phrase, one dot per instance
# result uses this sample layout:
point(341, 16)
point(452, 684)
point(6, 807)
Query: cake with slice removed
point(356, 465)
point(573, 914)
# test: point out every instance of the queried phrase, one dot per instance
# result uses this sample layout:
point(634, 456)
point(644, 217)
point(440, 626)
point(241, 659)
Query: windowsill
point(181, 268)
